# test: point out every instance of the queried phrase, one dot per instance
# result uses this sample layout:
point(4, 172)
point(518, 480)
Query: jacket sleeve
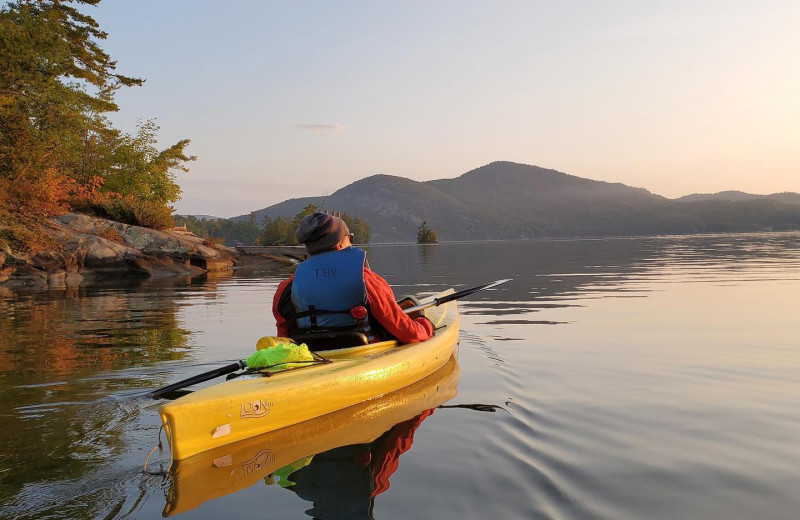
point(384, 308)
point(280, 321)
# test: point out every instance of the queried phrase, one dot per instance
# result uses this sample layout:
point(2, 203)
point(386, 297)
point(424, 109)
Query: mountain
point(786, 197)
point(504, 200)
point(201, 217)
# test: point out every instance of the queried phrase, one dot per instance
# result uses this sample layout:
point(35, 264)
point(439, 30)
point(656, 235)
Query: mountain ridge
point(503, 200)
point(787, 197)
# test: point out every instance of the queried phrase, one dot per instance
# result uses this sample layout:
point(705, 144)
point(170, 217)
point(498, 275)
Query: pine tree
point(56, 86)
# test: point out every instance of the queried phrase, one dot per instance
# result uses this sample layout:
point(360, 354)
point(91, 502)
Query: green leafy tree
point(56, 86)
point(231, 232)
point(362, 234)
point(308, 210)
point(278, 231)
point(141, 170)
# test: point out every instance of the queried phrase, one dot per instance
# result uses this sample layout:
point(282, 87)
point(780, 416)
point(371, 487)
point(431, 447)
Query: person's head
point(320, 232)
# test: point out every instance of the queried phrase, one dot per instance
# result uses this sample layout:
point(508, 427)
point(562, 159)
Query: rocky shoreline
point(87, 247)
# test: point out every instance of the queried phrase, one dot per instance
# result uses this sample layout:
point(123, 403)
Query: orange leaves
point(33, 196)
point(89, 192)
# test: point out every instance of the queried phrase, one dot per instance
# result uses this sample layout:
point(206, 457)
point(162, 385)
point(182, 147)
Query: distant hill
point(505, 200)
point(786, 197)
point(202, 217)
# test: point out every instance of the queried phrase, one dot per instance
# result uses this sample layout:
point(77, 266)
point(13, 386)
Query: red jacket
point(382, 306)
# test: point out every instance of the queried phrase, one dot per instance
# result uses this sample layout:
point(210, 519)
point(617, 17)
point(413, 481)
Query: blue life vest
point(326, 287)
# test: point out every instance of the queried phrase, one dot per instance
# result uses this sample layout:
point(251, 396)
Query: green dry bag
point(280, 355)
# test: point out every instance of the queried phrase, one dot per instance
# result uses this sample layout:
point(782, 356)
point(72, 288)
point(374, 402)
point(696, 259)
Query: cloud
point(324, 128)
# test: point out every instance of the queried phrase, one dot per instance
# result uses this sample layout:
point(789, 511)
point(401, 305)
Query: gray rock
point(88, 225)
point(90, 244)
point(27, 276)
point(47, 261)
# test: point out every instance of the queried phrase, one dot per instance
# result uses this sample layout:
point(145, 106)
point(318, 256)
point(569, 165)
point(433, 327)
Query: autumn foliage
point(58, 150)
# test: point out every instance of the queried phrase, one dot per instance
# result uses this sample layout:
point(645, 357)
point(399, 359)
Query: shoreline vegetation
point(78, 197)
point(277, 231)
point(59, 152)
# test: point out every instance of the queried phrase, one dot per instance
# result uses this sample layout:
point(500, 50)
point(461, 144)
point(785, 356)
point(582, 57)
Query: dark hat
point(321, 232)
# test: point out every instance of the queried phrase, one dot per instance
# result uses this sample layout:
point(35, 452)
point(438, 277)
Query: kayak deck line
point(251, 405)
point(286, 367)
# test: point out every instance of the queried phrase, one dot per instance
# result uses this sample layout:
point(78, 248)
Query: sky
point(292, 99)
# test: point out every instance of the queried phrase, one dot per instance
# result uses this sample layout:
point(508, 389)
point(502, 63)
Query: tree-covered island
point(426, 235)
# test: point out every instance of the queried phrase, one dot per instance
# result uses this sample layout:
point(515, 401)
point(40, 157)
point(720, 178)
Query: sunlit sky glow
point(289, 99)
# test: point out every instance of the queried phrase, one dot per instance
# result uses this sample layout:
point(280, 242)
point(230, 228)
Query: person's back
point(334, 291)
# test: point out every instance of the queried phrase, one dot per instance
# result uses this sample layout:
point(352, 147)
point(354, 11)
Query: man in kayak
point(335, 291)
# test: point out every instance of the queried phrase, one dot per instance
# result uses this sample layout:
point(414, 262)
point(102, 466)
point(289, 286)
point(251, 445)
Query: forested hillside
point(786, 197)
point(505, 200)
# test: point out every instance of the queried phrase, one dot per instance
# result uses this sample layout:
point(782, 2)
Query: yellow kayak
point(251, 405)
point(233, 467)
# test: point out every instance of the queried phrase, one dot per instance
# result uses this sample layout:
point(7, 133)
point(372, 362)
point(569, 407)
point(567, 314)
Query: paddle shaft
point(455, 296)
point(199, 378)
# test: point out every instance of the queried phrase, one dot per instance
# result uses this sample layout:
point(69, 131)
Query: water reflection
point(342, 483)
point(667, 389)
point(68, 360)
point(550, 274)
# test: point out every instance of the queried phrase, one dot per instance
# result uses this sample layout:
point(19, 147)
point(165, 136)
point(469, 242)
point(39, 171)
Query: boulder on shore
point(86, 245)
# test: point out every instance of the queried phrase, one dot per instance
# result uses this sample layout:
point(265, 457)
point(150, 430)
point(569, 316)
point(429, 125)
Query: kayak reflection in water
point(343, 482)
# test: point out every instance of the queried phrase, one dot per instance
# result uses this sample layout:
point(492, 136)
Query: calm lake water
point(633, 378)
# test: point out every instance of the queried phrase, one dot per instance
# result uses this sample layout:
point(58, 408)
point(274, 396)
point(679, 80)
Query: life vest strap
point(361, 326)
point(312, 312)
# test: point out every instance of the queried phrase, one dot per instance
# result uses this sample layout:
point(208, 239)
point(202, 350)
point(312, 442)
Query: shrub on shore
point(58, 150)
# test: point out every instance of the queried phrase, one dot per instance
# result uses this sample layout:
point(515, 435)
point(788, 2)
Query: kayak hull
point(230, 468)
point(248, 406)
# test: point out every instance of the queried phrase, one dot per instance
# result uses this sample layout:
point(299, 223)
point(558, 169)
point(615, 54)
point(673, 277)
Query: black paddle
point(199, 378)
point(241, 364)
